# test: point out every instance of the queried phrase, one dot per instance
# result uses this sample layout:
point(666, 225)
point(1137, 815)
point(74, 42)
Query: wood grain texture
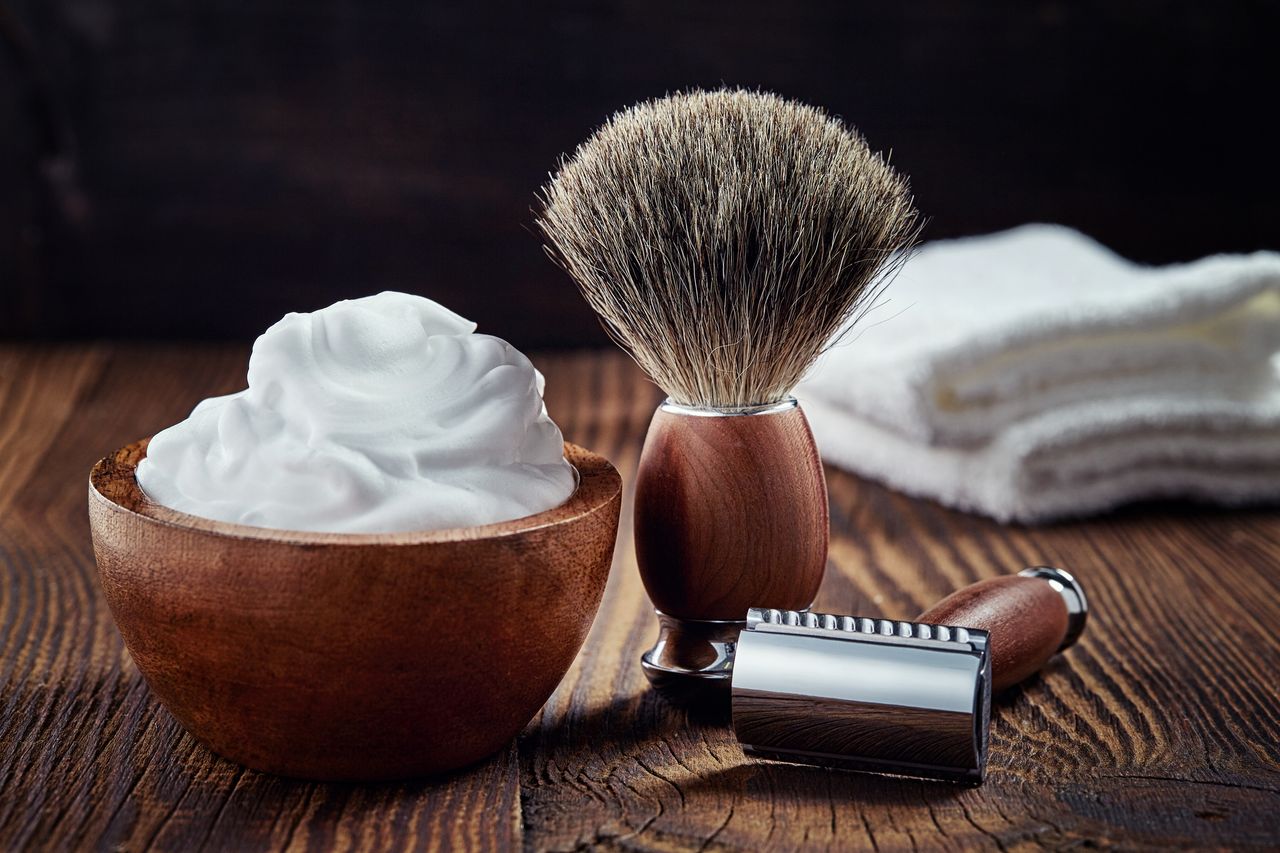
point(730, 513)
point(352, 657)
point(1027, 620)
point(268, 153)
point(1158, 730)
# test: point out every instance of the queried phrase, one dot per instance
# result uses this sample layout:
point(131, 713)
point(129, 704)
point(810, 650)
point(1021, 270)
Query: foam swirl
point(373, 415)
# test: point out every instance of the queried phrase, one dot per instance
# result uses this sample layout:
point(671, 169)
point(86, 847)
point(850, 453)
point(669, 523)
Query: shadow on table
point(820, 784)
point(693, 747)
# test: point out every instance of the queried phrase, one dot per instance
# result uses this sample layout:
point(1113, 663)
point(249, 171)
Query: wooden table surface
point(1161, 728)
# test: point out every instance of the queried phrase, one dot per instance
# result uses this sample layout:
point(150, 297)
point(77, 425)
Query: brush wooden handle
point(1028, 620)
point(730, 513)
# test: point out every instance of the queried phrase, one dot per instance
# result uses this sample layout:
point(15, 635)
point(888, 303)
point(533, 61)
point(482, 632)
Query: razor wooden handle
point(1027, 617)
point(730, 513)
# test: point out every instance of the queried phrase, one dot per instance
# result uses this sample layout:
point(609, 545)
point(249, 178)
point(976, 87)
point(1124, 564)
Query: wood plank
point(268, 154)
point(1160, 729)
point(88, 759)
point(30, 416)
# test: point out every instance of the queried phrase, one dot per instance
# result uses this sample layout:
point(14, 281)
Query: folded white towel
point(1033, 374)
point(980, 332)
point(1078, 459)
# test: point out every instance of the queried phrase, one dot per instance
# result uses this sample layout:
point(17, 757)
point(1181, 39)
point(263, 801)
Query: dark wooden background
point(182, 170)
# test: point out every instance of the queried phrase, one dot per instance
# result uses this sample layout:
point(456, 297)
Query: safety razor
point(869, 694)
point(902, 698)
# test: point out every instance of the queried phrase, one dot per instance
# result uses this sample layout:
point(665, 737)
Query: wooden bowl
point(352, 656)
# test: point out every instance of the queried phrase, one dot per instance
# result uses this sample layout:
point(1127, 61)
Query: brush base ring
point(692, 660)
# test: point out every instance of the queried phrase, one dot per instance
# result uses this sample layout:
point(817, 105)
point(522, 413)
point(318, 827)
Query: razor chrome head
point(876, 695)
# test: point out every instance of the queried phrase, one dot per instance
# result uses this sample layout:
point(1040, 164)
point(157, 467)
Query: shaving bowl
point(352, 656)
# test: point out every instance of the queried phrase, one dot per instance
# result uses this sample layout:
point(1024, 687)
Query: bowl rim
point(112, 483)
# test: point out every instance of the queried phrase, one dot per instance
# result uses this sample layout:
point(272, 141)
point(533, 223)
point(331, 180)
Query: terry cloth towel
point(1033, 374)
point(977, 333)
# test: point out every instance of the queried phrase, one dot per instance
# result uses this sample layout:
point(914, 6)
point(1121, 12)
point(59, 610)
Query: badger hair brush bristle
point(725, 237)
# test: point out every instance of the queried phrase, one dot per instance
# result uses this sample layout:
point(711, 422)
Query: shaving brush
point(725, 238)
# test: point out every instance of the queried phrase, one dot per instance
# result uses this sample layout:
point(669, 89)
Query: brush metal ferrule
point(675, 408)
point(875, 695)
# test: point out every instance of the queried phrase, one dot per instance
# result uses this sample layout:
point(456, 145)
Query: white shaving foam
point(373, 415)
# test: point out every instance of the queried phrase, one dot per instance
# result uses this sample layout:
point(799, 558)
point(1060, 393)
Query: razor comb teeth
point(826, 622)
